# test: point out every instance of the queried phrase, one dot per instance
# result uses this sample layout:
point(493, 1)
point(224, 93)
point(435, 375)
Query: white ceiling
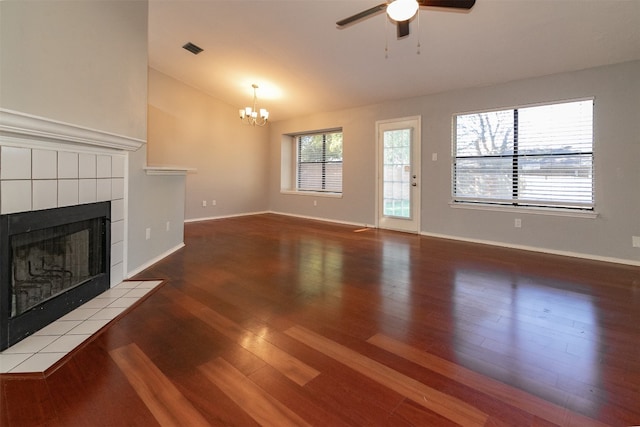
point(304, 64)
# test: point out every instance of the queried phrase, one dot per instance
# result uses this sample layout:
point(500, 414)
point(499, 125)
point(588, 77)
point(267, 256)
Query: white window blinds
point(319, 162)
point(530, 156)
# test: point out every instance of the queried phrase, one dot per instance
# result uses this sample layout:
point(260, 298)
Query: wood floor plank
point(26, 402)
point(305, 403)
point(79, 401)
point(506, 393)
point(252, 399)
point(443, 404)
point(359, 402)
point(413, 414)
point(163, 399)
point(297, 371)
point(211, 402)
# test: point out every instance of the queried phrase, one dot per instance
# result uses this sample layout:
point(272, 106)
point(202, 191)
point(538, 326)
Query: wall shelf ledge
point(168, 170)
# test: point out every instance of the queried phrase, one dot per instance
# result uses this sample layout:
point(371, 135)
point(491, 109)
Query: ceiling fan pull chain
point(386, 39)
point(418, 47)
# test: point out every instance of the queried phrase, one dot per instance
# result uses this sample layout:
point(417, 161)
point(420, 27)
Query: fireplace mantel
point(18, 125)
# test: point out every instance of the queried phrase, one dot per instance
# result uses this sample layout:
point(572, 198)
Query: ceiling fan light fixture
point(402, 10)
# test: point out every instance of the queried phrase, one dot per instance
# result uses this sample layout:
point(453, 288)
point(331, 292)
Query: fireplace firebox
point(51, 261)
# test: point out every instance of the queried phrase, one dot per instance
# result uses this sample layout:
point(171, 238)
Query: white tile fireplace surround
point(48, 164)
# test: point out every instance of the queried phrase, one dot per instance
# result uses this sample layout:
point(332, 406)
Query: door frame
point(415, 123)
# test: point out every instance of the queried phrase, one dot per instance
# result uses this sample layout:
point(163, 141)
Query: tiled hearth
point(46, 347)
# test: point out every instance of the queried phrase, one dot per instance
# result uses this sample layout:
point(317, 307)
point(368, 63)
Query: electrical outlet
point(204, 203)
point(517, 223)
point(315, 203)
point(434, 157)
point(168, 227)
point(635, 241)
point(148, 233)
point(213, 202)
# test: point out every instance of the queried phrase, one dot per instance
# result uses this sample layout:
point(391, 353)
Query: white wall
point(85, 63)
point(80, 62)
point(617, 149)
point(153, 202)
point(190, 129)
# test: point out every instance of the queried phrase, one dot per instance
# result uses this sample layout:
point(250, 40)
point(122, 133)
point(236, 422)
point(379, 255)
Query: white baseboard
point(536, 249)
point(209, 218)
point(154, 260)
point(335, 221)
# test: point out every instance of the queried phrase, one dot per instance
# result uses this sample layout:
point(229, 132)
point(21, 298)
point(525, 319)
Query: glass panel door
point(398, 172)
point(396, 175)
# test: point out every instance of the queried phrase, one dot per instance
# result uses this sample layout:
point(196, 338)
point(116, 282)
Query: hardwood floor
point(271, 320)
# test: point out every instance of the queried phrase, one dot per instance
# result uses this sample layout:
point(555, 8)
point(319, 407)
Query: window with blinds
point(538, 156)
point(319, 162)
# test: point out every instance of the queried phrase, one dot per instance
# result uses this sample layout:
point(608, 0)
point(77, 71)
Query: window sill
point(526, 210)
point(312, 193)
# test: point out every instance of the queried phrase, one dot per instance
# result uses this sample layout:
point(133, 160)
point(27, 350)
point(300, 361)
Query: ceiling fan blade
point(364, 14)
point(457, 4)
point(403, 28)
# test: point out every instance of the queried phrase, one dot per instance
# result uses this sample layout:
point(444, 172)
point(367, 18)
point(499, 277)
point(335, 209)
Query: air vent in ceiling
point(192, 48)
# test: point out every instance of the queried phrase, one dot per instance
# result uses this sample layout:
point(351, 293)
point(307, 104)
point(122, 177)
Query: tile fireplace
point(47, 166)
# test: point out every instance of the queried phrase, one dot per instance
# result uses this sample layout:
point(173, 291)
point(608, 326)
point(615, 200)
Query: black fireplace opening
point(51, 262)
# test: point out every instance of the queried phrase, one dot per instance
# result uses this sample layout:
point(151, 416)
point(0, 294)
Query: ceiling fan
point(402, 11)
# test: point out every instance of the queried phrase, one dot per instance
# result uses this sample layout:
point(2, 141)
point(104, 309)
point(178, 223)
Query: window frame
point(512, 204)
point(297, 170)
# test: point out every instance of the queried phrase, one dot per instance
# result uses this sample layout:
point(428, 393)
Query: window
point(319, 162)
point(532, 156)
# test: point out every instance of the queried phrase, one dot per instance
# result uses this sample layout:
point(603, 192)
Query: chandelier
point(251, 115)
